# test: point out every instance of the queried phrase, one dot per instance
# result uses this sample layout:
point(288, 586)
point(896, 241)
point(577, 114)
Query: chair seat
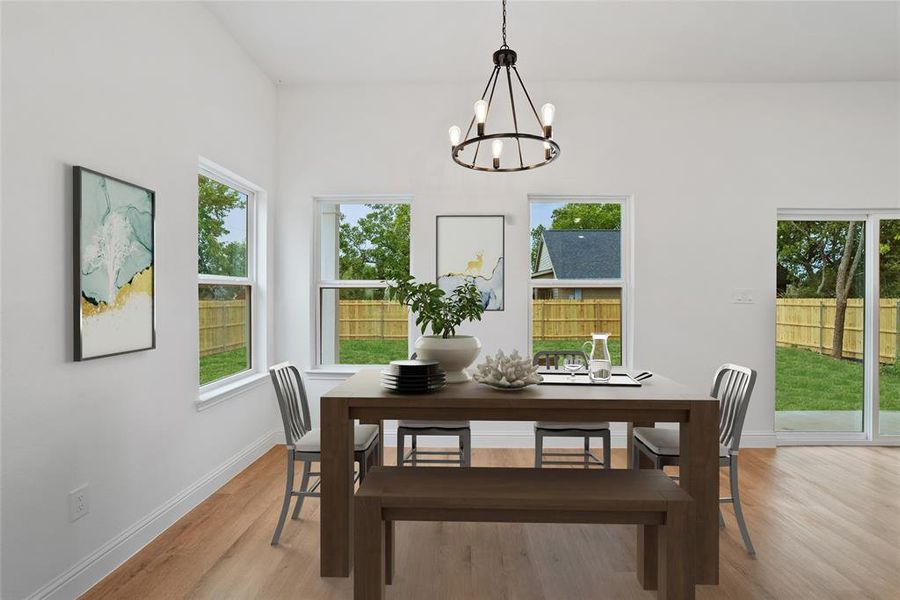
point(363, 436)
point(416, 424)
point(665, 442)
point(554, 426)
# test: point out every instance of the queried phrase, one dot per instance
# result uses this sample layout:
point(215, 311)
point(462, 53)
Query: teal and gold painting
point(114, 261)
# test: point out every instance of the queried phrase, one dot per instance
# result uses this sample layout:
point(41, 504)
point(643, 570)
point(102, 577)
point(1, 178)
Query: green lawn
point(806, 380)
point(223, 364)
point(372, 352)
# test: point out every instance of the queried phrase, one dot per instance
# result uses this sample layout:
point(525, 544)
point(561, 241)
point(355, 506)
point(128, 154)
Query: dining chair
point(732, 386)
point(304, 443)
point(416, 428)
point(552, 360)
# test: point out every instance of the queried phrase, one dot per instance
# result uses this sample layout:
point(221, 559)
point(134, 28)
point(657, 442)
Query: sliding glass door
point(837, 323)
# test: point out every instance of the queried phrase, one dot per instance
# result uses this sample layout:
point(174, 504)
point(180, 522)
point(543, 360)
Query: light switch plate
point(743, 296)
point(79, 504)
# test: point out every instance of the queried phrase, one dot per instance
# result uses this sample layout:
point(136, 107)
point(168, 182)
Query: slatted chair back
point(553, 359)
point(291, 400)
point(732, 386)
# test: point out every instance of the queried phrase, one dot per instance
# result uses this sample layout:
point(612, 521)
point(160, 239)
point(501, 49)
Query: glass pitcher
point(599, 360)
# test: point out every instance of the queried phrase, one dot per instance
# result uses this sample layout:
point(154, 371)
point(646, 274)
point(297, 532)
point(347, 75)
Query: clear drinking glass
point(600, 370)
point(572, 364)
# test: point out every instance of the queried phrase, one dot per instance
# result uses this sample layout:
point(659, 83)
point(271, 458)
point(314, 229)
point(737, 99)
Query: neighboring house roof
point(580, 254)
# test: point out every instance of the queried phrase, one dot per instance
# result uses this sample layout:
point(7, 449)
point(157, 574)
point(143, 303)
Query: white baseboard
point(91, 569)
point(758, 439)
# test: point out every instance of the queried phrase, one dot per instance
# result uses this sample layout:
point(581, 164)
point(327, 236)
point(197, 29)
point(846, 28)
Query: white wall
point(708, 166)
point(139, 91)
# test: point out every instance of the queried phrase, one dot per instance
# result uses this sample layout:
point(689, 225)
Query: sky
point(541, 213)
point(236, 224)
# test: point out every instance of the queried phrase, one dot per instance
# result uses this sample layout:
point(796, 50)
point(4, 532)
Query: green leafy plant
point(434, 308)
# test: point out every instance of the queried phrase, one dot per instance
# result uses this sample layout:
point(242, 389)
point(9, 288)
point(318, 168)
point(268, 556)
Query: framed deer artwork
point(471, 247)
point(114, 266)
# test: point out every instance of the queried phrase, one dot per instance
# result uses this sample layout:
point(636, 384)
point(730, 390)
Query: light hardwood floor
point(825, 521)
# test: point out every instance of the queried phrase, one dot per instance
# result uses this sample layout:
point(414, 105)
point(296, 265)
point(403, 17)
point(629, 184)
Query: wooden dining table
point(657, 400)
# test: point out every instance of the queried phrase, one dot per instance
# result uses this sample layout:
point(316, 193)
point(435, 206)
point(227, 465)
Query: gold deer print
point(473, 267)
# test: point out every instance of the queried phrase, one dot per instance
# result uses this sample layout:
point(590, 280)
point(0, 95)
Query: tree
point(889, 256)
point(818, 259)
point(215, 201)
point(846, 270)
point(377, 245)
point(536, 234)
point(587, 216)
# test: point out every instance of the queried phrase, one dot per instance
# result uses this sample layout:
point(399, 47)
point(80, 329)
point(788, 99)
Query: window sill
point(210, 398)
point(335, 373)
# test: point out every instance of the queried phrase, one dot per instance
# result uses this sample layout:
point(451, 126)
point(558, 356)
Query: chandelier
point(539, 149)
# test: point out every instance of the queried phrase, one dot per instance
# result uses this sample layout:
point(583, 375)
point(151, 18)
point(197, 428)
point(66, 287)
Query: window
point(579, 266)
point(361, 243)
point(227, 275)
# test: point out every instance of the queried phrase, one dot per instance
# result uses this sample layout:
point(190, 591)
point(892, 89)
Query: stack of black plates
point(413, 376)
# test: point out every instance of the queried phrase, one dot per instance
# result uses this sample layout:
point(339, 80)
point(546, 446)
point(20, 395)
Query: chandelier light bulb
point(497, 150)
point(547, 152)
point(548, 111)
point(455, 136)
point(481, 108)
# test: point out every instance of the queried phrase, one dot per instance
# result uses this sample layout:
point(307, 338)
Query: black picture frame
point(77, 212)
point(437, 233)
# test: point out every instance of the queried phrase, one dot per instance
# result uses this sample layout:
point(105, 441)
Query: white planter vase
point(453, 353)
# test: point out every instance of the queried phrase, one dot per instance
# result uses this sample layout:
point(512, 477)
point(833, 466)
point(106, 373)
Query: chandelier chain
point(504, 25)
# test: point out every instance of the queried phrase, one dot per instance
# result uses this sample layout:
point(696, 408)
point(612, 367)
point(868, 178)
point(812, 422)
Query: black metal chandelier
point(539, 149)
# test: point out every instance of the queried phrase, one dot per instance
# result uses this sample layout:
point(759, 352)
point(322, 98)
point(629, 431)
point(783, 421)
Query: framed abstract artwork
point(472, 247)
point(114, 276)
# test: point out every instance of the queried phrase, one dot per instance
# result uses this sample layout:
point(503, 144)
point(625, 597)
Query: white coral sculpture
point(504, 371)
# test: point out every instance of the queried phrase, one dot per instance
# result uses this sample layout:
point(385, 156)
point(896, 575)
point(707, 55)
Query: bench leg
point(676, 573)
point(368, 549)
point(647, 555)
point(389, 552)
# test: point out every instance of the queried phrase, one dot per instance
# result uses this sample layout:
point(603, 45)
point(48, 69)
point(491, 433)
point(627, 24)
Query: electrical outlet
point(79, 503)
point(743, 296)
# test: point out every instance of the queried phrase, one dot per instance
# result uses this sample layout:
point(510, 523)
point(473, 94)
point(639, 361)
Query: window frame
point(624, 283)
point(337, 284)
point(256, 335)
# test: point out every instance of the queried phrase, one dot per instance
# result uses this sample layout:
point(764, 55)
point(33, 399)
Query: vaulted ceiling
point(778, 41)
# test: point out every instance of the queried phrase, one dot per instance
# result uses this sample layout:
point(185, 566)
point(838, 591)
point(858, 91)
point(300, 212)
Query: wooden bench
point(646, 498)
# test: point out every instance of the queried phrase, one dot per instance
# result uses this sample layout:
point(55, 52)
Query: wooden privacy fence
point(372, 320)
point(800, 323)
point(223, 326)
point(809, 323)
point(575, 319)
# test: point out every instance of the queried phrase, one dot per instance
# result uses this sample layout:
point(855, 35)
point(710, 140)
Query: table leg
point(645, 462)
point(337, 489)
point(647, 556)
point(699, 473)
point(369, 550)
point(675, 577)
